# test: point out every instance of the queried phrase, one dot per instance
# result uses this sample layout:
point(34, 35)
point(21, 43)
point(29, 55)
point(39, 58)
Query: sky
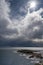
point(20, 23)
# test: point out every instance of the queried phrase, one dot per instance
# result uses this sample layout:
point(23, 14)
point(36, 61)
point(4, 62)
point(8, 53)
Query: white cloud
point(37, 40)
point(4, 16)
point(26, 27)
point(4, 9)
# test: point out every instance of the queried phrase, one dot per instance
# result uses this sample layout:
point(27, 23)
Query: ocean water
point(10, 56)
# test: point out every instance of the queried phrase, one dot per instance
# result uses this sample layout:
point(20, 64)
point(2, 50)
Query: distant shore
point(31, 48)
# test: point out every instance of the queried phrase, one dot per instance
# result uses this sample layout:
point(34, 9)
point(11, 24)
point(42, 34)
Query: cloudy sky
point(21, 20)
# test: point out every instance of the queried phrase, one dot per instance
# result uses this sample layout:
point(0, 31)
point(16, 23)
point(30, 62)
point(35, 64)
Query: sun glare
point(32, 4)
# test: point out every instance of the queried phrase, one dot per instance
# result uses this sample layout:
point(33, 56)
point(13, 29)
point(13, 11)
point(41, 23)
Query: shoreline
point(12, 48)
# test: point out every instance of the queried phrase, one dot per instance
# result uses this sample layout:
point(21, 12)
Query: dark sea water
point(9, 56)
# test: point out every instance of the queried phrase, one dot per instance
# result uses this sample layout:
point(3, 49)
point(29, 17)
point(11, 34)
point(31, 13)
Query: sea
point(10, 56)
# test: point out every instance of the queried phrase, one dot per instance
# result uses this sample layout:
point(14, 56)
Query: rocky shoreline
point(32, 54)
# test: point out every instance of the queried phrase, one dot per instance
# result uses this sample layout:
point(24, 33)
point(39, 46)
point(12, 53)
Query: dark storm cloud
point(28, 27)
